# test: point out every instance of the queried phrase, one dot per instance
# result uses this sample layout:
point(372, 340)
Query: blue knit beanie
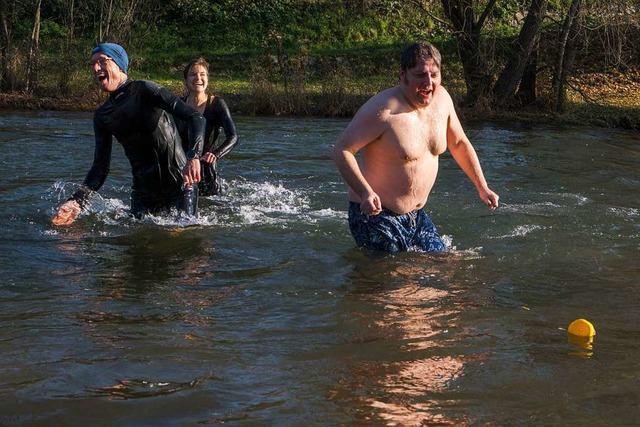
point(115, 52)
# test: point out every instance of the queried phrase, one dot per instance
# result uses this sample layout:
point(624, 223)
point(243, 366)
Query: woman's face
point(197, 79)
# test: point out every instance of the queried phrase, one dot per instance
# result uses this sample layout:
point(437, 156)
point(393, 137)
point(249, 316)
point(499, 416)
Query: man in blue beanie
point(139, 114)
point(115, 52)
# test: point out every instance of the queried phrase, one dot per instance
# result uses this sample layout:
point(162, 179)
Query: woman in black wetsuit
point(140, 115)
point(218, 117)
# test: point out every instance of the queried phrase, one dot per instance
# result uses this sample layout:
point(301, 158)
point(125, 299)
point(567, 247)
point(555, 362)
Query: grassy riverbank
point(335, 85)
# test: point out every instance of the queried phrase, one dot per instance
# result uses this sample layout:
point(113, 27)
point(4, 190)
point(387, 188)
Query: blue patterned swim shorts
point(391, 232)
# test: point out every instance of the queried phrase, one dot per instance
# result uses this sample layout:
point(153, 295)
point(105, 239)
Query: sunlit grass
point(341, 81)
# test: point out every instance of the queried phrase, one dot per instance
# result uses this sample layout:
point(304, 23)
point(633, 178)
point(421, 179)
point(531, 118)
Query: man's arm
point(169, 102)
point(69, 211)
point(465, 155)
point(364, 128)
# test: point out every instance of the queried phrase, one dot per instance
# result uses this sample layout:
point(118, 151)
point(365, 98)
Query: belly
point(403, 187)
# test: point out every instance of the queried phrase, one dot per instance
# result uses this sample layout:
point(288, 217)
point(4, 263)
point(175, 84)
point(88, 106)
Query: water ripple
point(143, 388)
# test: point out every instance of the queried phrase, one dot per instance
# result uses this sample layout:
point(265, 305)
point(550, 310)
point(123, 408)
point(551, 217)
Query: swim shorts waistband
point(386, 210)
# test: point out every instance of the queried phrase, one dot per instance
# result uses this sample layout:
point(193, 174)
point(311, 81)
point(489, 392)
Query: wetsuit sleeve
point(163, 98)
point(99, 169)
point(231, 137)
point(183, 131)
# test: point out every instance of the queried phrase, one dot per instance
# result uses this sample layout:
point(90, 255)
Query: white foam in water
point(453, 252)
point(469, 253)
point(111, 211)
point(275, 198)
point(555, 202)
point(329, 213)
point(580, 200)
point(532, 208)
point(242, 203)
point(519, 231)
point(58, 186)
point(624, 212)
point(268, 203)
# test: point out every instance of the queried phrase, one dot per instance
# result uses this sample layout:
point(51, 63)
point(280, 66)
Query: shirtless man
point(400, 134)
point(139, 114)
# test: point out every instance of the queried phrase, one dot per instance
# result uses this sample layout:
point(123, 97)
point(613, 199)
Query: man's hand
point(191, 172)
point(67, 213)
point(490, 199)
point(371, 204)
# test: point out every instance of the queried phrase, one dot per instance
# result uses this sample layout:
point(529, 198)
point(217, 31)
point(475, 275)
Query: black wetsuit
point(218, 117)
point(139, 114)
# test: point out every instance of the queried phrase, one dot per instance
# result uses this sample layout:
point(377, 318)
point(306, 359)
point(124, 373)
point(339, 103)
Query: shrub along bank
point(333, 84)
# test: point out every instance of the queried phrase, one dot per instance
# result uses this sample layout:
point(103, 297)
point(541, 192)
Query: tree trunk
point(527, 91)
point(34, 51)
point(469, 40)
point(71, 23)
point(65, 69)
point(7, 79)
point(565, 55)
point(105, 21)
point(510, 77)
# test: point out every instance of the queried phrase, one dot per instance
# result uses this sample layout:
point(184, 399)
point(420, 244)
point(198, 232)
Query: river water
point(262, 312)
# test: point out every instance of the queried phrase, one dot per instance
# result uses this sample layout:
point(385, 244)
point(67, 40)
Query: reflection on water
point(414, 321)
point(584, 343)
point(261, 312)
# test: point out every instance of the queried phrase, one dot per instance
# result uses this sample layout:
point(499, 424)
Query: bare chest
point(413, 138)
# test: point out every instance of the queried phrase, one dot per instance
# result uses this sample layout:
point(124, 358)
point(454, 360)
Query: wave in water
point(242, 203)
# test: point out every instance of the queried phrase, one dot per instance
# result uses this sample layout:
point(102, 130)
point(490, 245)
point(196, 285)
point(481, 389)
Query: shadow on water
point(149, 258)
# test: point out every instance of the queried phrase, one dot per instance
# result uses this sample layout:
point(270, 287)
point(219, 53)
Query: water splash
point(625, 213)
point(242, 203)
point(520, 231)
point(59, 191)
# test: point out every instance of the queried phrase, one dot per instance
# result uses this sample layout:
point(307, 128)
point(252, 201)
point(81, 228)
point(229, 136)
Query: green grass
point(337, 83)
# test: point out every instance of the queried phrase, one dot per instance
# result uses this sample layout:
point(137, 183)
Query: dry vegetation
point(609, 99)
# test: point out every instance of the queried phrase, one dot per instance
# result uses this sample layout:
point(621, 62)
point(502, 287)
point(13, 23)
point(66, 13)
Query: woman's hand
point(208, 157)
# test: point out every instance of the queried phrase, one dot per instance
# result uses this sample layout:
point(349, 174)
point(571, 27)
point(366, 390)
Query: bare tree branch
point(584, 96)
point(422, 6)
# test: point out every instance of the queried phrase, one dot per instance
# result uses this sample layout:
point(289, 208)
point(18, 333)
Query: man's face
point(420, 82)
point(107, 73)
